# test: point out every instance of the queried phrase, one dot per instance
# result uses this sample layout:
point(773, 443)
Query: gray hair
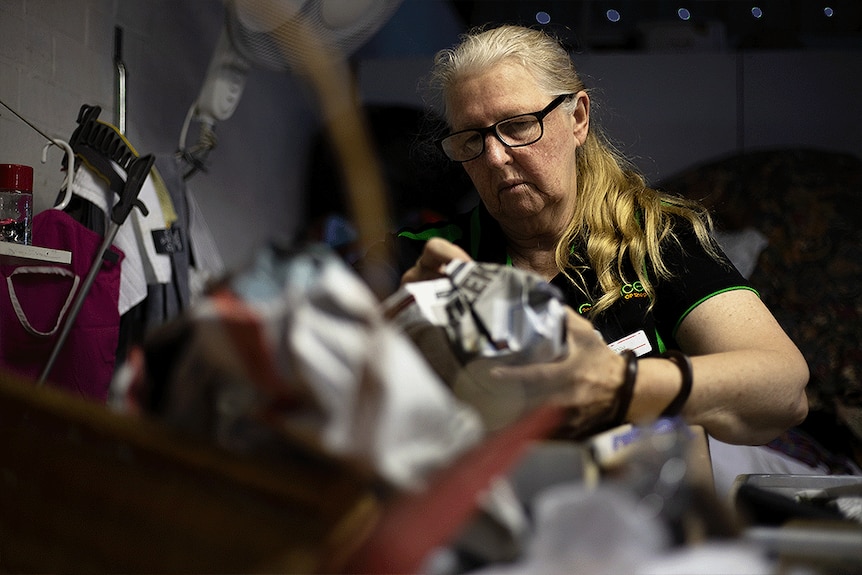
point(480, 49)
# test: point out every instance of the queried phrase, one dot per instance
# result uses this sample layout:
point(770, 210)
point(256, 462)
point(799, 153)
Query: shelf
point(11, 253)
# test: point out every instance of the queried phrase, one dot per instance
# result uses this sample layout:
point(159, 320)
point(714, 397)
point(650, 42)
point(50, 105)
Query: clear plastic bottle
point(16, 203)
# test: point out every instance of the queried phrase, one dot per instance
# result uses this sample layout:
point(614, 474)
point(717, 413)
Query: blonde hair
point(618, 218)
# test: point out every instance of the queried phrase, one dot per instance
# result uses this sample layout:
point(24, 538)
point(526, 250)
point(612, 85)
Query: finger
point(439, 252)
point(431, 264)
point(581, 333)
point(576, 322)
point(422, 271)
point(540, 375)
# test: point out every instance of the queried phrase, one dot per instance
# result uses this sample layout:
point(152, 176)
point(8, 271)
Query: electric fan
point(279, 35)
point(312, 38)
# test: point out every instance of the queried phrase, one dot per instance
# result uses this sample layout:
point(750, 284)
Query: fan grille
point(341, 25)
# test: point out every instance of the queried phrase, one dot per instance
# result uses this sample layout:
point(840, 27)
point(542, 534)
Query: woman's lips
point(510, 186)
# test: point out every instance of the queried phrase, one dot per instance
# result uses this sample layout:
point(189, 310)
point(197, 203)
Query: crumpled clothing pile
point(295, 349)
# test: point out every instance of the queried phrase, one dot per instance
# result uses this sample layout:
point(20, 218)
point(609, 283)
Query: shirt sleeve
point(697, 276)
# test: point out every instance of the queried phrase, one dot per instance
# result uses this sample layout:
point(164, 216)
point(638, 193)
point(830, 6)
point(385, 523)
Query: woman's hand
point(436, 254)
point(586, 381)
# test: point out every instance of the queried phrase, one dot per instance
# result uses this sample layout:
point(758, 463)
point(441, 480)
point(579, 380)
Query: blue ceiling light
point(828, 12)
point(683, 14)
point(543, 18)
point(613, 15)
point(756, 12)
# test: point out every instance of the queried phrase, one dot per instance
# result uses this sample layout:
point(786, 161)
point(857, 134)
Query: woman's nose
point(496, 153)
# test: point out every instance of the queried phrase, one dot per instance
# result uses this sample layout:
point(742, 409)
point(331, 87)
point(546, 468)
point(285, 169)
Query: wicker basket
point(85, 489)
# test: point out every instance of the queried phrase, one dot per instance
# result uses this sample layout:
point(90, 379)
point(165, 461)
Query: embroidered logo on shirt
point(635, 289)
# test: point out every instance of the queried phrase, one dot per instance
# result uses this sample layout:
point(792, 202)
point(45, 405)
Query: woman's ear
point(581, 114)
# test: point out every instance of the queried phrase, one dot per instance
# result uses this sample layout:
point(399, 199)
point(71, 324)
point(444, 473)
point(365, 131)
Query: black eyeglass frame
point(492, 129)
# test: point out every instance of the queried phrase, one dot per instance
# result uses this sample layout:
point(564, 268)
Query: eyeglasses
point(514, 132)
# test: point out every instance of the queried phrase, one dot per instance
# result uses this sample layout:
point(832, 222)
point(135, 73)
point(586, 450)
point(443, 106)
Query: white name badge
point(637, 342)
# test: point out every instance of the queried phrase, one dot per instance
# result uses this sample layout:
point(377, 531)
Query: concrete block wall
point(54, 56)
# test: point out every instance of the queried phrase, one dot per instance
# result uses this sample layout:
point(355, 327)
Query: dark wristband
point(627, 389)
point(683, 362)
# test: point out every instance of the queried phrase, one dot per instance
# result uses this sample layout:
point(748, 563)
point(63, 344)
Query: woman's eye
point(520, 128)
point(472, 142)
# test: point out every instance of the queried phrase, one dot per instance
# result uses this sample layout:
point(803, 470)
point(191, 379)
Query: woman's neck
point(538, 259)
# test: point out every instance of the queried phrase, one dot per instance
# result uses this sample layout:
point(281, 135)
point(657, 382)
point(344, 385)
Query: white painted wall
point(671, 111)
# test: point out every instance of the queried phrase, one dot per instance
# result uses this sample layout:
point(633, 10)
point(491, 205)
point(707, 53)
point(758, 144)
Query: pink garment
point(44, 292)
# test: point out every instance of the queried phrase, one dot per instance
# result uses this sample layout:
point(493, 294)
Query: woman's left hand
point(436, 254)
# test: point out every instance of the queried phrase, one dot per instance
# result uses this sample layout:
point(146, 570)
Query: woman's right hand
point(586, 381)
point(436, 254)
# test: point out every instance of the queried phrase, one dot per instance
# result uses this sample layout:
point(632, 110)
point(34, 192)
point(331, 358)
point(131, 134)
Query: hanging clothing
point(186, 242)
point(143, 265)
point(35, 298)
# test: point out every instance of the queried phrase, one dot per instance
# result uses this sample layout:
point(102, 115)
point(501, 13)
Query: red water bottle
point(16, 203)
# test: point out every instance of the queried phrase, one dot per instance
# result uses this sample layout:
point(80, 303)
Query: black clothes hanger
point(98, 145)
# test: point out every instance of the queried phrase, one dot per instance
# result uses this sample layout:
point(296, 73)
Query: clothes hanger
point(107, 152)
point(67, 182)
point(68, 161)
point(104, 149)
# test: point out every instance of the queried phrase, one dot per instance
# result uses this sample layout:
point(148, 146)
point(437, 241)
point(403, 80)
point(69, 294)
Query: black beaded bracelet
point(627, 389)
point(683, 362)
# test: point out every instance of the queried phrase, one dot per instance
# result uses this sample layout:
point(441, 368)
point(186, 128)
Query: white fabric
point(376, 399)
point(604, 531)
point(731, 461)
point(133, 281)
point(157, 266)
point(141, 265)
point(207, 261)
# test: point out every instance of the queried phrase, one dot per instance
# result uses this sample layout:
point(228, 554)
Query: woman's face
point(530, 190)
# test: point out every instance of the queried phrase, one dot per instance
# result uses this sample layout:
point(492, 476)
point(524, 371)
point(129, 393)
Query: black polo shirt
point(629, 322)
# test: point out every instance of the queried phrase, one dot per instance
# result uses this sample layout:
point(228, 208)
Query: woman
point(635, 265)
